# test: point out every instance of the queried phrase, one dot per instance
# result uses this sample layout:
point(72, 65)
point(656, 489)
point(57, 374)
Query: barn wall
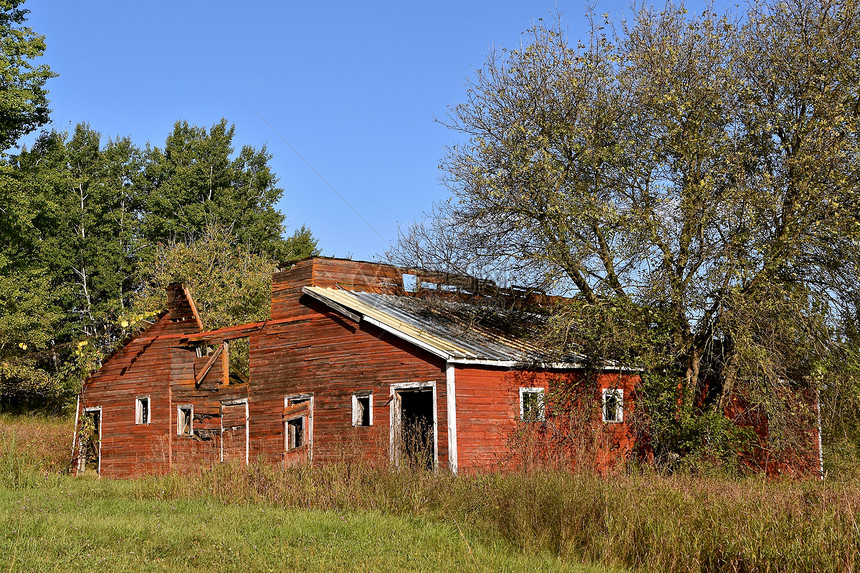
point(141, 368)
point(308, 349)
point(491, 435)
point(205, 446)
point(332, 357)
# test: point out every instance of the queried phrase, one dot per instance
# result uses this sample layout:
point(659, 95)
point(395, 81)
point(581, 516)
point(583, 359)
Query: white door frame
point(238, 402)
point(394, 413)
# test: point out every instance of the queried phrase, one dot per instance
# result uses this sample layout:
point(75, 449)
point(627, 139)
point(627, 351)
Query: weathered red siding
point(331, 358)
point(307, 350)
point(142, 368)
point(491, 435)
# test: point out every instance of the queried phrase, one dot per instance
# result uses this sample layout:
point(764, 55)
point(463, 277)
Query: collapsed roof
point(458, 332)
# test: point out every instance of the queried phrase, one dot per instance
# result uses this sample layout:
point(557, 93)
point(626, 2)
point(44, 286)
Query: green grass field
point(67, 524)
point(351, 517)
point(50, 521)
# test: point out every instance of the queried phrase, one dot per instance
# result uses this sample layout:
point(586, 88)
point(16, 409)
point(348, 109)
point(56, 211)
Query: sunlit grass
point(65, 524)
point(350, 516)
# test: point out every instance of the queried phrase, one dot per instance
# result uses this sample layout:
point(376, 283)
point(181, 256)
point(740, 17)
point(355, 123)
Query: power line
point(330, 186)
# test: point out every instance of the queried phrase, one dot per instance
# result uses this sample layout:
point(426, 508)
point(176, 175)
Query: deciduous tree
point(693, 179)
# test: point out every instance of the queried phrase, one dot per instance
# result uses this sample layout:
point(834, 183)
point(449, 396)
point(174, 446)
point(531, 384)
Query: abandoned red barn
point(356, 360)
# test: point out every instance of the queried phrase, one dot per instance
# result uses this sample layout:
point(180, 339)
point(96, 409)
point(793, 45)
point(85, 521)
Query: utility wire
point(321, 177)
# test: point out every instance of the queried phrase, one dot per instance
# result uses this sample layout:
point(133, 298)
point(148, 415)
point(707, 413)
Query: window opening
point(141, 410)
point(296, 426)
point(532, 404)
point(239, 359)
point(204, 350)
point(295, 433)
point(410, 282)
point(362, 409)
point(184, 420)
point(613, 405)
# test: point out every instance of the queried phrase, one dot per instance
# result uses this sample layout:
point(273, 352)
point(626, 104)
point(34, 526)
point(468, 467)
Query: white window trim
point(309, 426)
point(86, 411)
point(238, 402)
point(619, 392)
point(179, 409)
point(533, 390)
point(138, 410)
point(451, 399)
point(355, 397)
point(394, 417)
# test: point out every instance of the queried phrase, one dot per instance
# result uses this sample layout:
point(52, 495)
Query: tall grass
point(647, 522)
point(639, 521)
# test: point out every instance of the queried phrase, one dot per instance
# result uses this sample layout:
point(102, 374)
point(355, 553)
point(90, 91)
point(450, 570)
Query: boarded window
point(613, 405)
point(184, 420)
point(362, 409)
point(141, 410)
point(532, 401)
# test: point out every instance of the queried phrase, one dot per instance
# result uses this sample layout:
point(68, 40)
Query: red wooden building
point(358, 360)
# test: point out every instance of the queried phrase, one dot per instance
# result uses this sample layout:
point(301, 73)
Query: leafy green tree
point(696, 175)
point(230, 283)
point(29, 314)
point(83, 225)
point(23, 97)
point(88, 222)
point(195, 181)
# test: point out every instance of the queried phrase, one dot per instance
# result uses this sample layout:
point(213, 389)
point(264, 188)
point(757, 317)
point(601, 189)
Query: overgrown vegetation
point(691, 180)
point(323, 516)
point(85, 224)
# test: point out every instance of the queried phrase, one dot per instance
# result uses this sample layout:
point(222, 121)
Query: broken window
point(184, 420)
point(410, 283)
point(613, 405)
point(239, 358)
point(141, 410)
point(295, 433)
point(362, 409)
point(203, 350)
point(532, 402)
point(296, 421)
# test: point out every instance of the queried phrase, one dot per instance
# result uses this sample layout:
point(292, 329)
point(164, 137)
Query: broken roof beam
point(227, 333)
point(208, 366)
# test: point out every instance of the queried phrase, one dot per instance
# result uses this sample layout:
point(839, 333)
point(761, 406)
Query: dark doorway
point(90, 442)
point(417, 433)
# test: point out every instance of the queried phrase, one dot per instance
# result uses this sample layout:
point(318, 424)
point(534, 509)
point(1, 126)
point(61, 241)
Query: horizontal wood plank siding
point(141, 368)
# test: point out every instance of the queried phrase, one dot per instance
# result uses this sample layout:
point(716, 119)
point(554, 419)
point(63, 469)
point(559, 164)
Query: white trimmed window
point(295, 433)
point(532, 402)
point(141, 410)
point(362, 409)
point(296, 422)
point(185, 420)
point(613, 405)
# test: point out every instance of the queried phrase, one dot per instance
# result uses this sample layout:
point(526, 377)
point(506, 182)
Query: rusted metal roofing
point(445, 334)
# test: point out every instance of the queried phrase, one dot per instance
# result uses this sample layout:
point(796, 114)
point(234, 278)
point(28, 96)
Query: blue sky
point(354, 87)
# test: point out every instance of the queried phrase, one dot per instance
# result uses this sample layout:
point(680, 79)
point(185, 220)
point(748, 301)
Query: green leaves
point(195, 180)
point(699, 166)
point(23, 97)
point(88, 227)
point(230, 283)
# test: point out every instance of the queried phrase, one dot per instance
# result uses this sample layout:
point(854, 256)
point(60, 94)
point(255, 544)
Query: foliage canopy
point(693, 179)
point(87, 229)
